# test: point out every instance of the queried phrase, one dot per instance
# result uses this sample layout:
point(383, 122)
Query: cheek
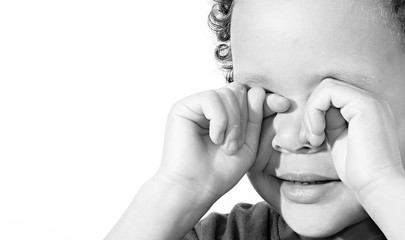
point(397, 105)
point(401, 139)
point(265, 151)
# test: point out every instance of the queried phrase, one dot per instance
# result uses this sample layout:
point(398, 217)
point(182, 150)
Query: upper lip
point(305, 177)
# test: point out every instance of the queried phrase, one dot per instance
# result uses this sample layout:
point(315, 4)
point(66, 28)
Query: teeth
point(306, 183)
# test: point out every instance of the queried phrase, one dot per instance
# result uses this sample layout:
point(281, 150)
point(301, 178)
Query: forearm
point(162, 209)
point(386, 206)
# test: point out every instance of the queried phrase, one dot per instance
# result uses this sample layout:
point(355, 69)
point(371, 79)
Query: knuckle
point(180, 109)
point(235, 126)
point(328, 83)
point(366, 106)
point(226, 91)
point(234, 130)
point(211, 94)
point(238, 87)
point(257, 90)
point(177, 106)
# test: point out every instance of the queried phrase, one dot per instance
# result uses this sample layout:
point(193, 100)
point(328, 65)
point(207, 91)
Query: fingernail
point(315, 140)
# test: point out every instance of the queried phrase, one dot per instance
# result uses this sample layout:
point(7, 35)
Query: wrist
point(191, 192)
point(162, 209)
point(381, 188)
point(385, 204)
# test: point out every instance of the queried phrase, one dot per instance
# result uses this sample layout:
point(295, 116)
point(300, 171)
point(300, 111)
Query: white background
point(85, 88)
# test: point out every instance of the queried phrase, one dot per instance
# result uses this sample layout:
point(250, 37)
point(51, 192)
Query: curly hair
point(219, 20)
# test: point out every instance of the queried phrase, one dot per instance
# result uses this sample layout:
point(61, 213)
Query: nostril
point(298, 148)
point(278, 148)
point(282, 150)
point(313, 149)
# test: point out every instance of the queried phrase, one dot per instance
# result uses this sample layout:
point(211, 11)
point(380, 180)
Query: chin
point(325, 218)
point(320, 225)
point(317, 216)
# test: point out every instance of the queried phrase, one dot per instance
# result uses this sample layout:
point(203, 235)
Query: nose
point(287, 127)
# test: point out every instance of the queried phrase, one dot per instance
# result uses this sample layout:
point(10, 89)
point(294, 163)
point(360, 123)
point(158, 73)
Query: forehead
point(285, 40)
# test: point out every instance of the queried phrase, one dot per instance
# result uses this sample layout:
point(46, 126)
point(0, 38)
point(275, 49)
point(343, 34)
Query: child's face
point(289, 47)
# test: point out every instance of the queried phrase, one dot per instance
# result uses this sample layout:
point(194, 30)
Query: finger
point(316, 140)
point(264, 150)
point(233, 130)
point(307, 136)
point(275, 104)
point(214, 110)
point(329, 94)
point(313, 124)
point(332, 93)
point(241, 95)
point(256, 97)
point(205, 110)
point(316, 121)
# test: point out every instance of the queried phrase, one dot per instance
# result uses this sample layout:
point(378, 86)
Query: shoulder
point(245, 221)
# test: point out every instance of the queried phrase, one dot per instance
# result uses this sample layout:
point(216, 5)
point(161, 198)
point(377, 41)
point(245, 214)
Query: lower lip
point(307, 194)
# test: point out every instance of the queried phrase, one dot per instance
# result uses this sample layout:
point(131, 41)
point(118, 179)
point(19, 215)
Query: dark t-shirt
point(245, 221)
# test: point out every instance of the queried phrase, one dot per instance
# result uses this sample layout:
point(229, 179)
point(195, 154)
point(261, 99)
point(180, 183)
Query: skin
point(312, 52)
point(319, 89)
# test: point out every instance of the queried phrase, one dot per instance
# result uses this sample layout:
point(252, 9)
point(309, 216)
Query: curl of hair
point(219, 20)
point(398, 7)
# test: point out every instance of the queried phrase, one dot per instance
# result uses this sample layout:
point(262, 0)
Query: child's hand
point(212, 138)
point(362, 136)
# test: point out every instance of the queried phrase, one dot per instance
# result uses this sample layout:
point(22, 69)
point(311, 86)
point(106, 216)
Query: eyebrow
point(358, 80)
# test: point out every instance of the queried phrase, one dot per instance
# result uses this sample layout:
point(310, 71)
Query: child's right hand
point(212, 138)
point(211, 142)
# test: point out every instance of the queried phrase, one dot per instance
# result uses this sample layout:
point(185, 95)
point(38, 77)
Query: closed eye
point(358, 80)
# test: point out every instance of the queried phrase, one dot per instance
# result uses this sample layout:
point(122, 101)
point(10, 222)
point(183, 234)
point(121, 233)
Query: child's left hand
point(362, 136)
